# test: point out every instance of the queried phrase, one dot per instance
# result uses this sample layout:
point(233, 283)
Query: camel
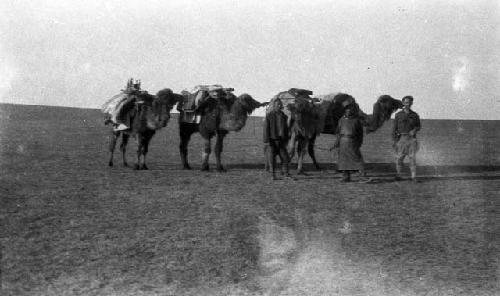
point(147, 113)
point(324, 116)
point(217, 112)
point(310, 117)
point(289, 99)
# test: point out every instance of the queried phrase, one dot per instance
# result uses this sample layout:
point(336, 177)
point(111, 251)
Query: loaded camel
point(213, 111)
point(146, 114)
point(310, 117)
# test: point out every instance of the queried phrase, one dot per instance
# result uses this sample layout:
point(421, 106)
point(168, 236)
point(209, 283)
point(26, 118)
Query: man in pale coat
point(404, 134)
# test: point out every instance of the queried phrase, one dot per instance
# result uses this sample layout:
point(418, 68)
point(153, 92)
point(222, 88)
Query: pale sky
point(80, 53)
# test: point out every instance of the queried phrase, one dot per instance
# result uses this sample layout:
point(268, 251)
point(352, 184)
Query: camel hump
point(145, 97)
point(385, 99)
point(192, 98)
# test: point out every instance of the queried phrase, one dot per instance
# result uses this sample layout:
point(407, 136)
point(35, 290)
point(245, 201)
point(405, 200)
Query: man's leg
point(185, 132)
point(271, 157)
point(400, 156)
point(399, 165)
point(284, 159)
point(413, 166)
point(362, 172)
point(413, 159)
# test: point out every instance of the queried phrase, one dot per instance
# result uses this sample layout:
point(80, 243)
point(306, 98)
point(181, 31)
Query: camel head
point(248, 104)
point(235, 118)
point(388, 105)
point(264, 104)
point(169, 97)
point(382, 111)
point(165, 101)
point(339, 102)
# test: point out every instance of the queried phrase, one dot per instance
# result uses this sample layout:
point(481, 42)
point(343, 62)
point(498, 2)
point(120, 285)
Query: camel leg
point(145, 148)
point(283, 155)
point(137, 165)
point(143, 166)
point(219, 145)
point(291, 146)
point(271, 158)
point(310, 149)
point(123, 148)
point(301, 151)
point(185, 136)
point(205, 155)
point(112, 144)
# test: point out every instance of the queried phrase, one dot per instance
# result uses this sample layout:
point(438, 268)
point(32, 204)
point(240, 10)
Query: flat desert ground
point(71, 225)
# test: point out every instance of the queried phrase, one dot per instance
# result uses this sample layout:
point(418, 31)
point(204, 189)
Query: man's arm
point(359, 133)
point(336, 143)
point(417, 126)
point(286, 130)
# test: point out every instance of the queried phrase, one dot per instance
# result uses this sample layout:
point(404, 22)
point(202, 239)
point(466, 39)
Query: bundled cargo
point(195, 96)
point(116, 108)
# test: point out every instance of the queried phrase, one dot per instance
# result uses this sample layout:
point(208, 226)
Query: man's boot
point(204, 161)
point(287, 171)
point(184, 159)
point(413, 174)
point(399, 168)
point(346, 176)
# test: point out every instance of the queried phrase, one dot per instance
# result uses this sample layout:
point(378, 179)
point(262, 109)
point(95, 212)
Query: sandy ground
point(73, 226)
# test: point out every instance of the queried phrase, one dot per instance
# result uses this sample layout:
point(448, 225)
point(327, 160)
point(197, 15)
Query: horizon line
point(176, 112)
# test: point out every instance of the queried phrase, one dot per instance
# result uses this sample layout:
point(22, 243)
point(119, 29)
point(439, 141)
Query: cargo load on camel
point(117, 109)
point(326, 109)
point(193, 98)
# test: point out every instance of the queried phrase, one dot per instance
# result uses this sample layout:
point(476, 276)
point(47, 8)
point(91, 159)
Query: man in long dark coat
point(349, 140)
point(276, 136)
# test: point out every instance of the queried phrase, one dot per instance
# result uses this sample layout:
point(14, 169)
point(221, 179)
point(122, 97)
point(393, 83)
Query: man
point(405, 128)
point(349, 140)
point(276, 137)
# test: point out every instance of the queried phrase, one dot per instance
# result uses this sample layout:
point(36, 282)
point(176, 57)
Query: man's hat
point(407, 98)
point(353, 106)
